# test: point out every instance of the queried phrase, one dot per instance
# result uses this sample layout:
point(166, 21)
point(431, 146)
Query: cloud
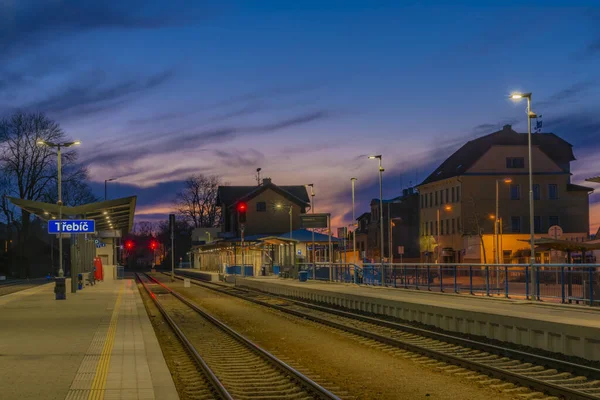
point(569, 93)
point(28, 23)
point(246, 158)
point(89, 95)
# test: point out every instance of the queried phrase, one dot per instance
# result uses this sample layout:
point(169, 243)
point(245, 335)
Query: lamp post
point(312, 209)
point(353, 180)
point(105, 181)
point(497, 218)
point(530, 114)
point(280, 206)
point(58, 146)
point(438, 230)
point(378, 157)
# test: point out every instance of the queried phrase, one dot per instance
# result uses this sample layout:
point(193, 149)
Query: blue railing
point(565, 283)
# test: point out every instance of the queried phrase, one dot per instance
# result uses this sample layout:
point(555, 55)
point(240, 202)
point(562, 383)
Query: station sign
point(314, 220)
point(72, 226)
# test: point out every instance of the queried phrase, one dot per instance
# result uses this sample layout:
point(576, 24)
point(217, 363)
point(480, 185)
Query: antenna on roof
point(258, 176)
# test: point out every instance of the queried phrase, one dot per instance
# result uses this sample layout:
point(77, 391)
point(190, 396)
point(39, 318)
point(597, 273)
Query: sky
point(159, 90)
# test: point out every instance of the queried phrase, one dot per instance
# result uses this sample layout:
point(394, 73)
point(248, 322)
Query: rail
point(564, 283)
point(554, 376)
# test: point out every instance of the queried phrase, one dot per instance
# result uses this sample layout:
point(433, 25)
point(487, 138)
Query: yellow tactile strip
point(90, 380)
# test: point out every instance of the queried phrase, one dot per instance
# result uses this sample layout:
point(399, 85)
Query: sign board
point(314, 221)
point(400, 249)
point(555, 232)
point(72, 226)
point(299, 252)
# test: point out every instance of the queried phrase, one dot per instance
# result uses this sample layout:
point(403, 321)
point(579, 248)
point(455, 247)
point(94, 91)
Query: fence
point(565, 283)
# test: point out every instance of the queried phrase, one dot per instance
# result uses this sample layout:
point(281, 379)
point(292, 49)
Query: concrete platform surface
point(571, 330)
point(97, 344)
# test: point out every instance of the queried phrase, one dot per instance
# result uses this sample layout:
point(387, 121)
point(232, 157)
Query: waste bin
point(80, 281)
point(60, 289)
point(303, 276)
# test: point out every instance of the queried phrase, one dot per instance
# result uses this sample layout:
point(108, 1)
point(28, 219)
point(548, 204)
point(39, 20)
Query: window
point(447, 197)
point(553, 191)
point(536, 191)
point(458, 193)
point(430, 199)
point(442, 197)
point(431, 227)
point(515, 223)
point(453, 225)
point(436, 197)
point(447, 226)
point(261, 206)
point(515, 162)
point(453, 198)
point(436, 228)
point(537, 224)
point(441, 227)
point(458, 224)
point(553, 220)
point(515, 192)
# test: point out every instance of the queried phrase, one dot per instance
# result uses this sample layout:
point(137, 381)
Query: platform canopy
point(563, 245)
point(114, 214)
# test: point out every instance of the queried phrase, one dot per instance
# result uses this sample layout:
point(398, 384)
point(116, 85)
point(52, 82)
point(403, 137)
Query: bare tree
point(144, 229)
point(197, 202)
point(28, 170)
point(475, 224)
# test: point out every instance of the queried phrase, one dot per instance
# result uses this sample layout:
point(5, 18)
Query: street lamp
point(497, 218)
point(58, 146)
point(353, 180)
point(439, 229)
point(312, 209)
point(378, 157)
point(105, 181)
point(530, 114)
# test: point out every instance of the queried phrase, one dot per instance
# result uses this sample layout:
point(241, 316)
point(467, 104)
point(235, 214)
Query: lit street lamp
point(438, 230)
point(530, 114)
point(58, 146)
point(105, 181)
point(497, 219)
point(378, 157)
point(312, 209)
point(280, 206)
point(353, 180)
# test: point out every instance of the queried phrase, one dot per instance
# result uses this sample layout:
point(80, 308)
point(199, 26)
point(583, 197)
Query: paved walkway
point(97, 344)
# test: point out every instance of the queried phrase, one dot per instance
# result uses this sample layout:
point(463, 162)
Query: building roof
point(363, 215)
point(229, 195)
point(595, 179)
point(118, 212)
point(559, 150)
point(571, 187)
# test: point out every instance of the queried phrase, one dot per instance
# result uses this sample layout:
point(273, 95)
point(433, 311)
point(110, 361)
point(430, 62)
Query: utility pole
point(172, 223)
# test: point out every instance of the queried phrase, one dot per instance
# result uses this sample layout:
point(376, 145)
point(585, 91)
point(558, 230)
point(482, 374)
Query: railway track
point(235, 367)
point(543, 374)
point(8, 287)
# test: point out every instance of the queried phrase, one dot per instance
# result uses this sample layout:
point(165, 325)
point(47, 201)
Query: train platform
point(567, 329)
point(97, 344)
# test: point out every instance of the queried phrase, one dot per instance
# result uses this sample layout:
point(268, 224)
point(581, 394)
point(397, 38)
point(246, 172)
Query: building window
point(453, 225)
point(422, 201)
point(553, 220)
point(515, 162)
point(447, 197)
point(553, 191)
point(458, 224)
point(515, 192)
point(261, 206)
point(536, 191)
point(430, 199)
point(537, 224)
point(431, 227)
point(515, 223)
point(436, 228)
point(441, 197)
point(453, 198)
point(447, 226)
point(441, 227)
point(457, 194)
point(436, 197)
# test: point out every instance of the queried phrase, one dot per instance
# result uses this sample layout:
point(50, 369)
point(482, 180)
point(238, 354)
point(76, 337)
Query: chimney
point(507, 127)
point(266, 181)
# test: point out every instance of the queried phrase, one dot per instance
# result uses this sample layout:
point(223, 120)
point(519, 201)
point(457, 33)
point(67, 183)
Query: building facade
point(458, 200)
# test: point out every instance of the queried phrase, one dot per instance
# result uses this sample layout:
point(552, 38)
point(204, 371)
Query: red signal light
point(129, 245)
point(153, 245)
point(242, 207)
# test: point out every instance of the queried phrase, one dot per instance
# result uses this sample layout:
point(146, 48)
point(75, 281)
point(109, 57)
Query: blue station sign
point(72, 226)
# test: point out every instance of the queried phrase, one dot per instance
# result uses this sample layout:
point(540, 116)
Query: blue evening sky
point(157, 90)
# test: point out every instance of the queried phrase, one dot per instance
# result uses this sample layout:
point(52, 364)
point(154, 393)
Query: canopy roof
point(118, 213)
point(563, 245)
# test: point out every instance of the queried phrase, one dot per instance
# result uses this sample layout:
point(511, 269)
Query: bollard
point(60, 288)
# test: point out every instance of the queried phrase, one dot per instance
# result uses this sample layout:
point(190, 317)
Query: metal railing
point(565, 283)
